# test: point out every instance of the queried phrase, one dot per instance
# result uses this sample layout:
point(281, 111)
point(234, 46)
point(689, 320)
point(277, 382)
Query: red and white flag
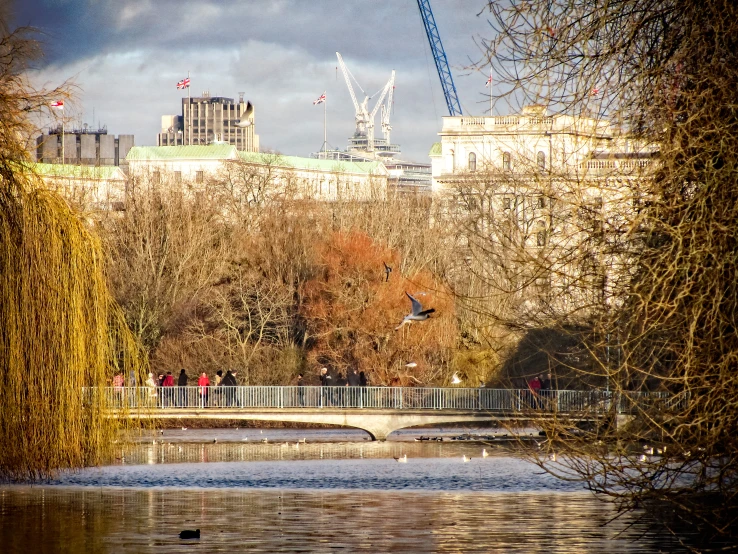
point(184, 83)
point(594, 92)
point(320, 99)
point(58, 104)
point(489, 81)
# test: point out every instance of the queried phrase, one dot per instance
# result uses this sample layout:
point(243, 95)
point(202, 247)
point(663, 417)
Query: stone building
point(543, 202)
point(196, 167)
point(85, 146)
point(206, 119)
point(89, 188)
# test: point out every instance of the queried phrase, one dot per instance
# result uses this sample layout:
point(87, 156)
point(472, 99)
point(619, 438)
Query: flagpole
point(62, 136)
point(189, 110)
point(490, 91)
point(325, 127)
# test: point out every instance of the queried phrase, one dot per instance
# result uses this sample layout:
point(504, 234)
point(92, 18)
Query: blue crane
point(439, 55)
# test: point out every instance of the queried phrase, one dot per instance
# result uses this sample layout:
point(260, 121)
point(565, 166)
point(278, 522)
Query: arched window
point(472, 161)
point(506, 161)
point(541, 161)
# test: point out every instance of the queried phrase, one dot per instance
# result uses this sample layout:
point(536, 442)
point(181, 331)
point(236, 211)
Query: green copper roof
point(297, 162)
point(435, 149)
point(78, 171)
point(209, 152)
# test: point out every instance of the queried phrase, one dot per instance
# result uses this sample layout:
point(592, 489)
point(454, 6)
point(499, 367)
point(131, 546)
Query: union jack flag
point(58, 104)
point(320, 99)
point(184, 83)
point(489, 81)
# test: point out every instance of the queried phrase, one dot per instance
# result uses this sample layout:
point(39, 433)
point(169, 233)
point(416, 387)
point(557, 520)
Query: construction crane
point(439, 55)
point(365, 119)
point(387, 110)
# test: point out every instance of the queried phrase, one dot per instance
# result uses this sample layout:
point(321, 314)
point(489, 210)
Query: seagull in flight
point(245, 120)
point(387, 271)
point(417, 314)
point(402, 459)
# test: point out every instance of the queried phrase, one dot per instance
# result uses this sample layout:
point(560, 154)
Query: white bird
point(245, 439)
point(302, 440)
point(642, 458)
point(245, 120)
point(417, 313)
point(455, 379)
point(402, 459)
point(465, 459)
point(184, 428)
point(264, 440)
point(552, 457)
point(411, 365)
point(484, 453)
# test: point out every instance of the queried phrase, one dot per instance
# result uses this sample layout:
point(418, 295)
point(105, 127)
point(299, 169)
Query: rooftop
point(314, 164)
point(78, 171)
point(193, 152)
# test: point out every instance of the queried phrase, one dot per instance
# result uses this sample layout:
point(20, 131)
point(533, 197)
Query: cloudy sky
point(126, 57)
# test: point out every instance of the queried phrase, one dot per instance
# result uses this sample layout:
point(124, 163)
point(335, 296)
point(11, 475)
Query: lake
point(334, 492)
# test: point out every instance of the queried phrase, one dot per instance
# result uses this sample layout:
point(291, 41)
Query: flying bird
point(411, 365)
point(417, 314)
point(455, 379)
point(402, 459)
point(387, 271)
point(245, 120)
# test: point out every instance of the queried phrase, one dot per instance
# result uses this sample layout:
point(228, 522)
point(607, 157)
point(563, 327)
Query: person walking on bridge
point(182, 392)
point(204, 383)
point(229, 382)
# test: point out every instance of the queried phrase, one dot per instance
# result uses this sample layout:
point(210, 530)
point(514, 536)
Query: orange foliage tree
point(351, 310)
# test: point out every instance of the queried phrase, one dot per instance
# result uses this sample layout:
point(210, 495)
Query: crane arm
point(348, 83)
point(439, 55)
point(386, 89)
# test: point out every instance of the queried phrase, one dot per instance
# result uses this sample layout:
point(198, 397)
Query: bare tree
point(666, 71)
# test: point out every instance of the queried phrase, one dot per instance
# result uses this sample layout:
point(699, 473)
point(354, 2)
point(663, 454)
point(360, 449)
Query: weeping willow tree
point(666, 71)
point(60, 331)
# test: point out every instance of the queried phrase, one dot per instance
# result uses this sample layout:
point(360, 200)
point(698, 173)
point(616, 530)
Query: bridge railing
point(395, 398)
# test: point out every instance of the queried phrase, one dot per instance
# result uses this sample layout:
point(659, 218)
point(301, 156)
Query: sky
point(126, 56)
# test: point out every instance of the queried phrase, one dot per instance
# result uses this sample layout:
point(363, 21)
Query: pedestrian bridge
point(377, 410)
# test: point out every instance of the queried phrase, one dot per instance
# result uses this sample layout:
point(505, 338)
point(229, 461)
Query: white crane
point(364, 119)
point(387, 109)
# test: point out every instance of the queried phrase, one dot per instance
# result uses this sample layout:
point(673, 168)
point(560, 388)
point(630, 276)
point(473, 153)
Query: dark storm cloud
point(282, 52)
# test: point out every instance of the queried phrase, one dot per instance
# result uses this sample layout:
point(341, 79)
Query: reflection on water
point(164, 452)
point(56, 519)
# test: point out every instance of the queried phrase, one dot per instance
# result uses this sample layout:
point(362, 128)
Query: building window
point(540, 202)
point(199, 177)
point(177, 177)
point(506, 203)
point(472, 161)
point(541, 161)
point(541, 234)
point(506, 161)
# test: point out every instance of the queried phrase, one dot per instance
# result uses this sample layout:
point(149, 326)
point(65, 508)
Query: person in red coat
point(203, 382)
point(168, 390)
point(535, 386)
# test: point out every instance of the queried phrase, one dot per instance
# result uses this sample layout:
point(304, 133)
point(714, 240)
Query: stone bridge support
point(378, 423)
